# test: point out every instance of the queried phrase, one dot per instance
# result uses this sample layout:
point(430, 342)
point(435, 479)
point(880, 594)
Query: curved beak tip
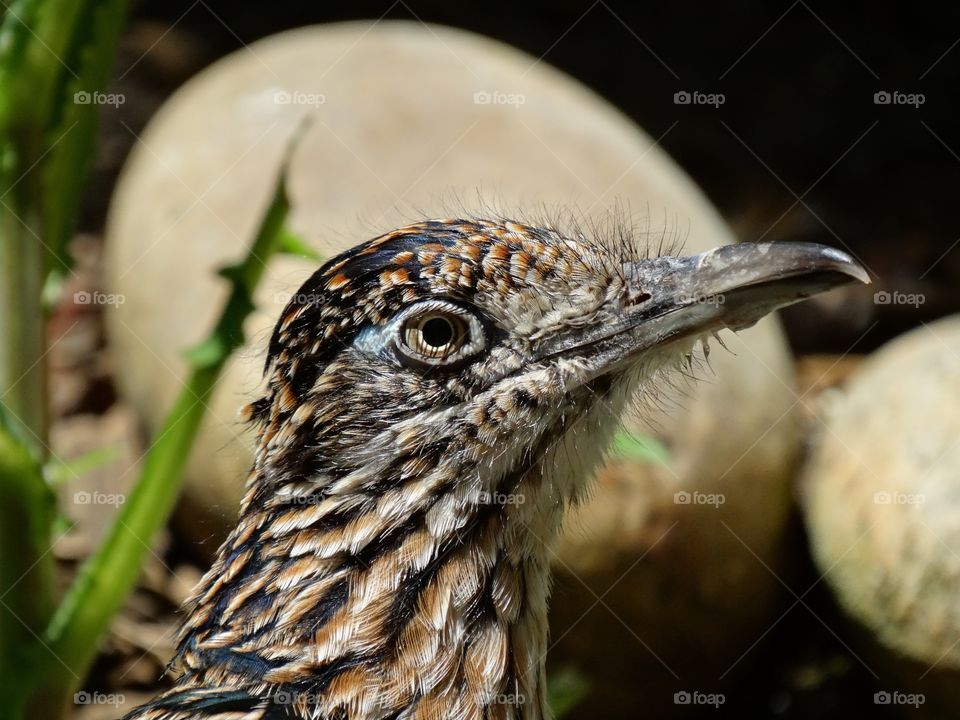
point(845, 263)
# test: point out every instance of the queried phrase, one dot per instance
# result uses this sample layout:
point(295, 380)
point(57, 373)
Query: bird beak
point(672, 298)
point(735, 285)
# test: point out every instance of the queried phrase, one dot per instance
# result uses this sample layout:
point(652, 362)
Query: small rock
point(819, 380)
point(881, 496)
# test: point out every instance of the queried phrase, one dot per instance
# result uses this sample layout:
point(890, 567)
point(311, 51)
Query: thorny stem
point(109, 575)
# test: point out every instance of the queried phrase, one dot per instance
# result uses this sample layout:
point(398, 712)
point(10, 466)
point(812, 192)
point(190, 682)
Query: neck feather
point(416, 577)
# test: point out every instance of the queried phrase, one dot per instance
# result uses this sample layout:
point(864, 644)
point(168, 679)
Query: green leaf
point(566, 689)
point(640, 447)
point(207, 353)
point(58, 471)
point(293, 244)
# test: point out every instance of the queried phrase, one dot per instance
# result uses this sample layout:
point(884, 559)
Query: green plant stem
point(40, 41)
point(23, 387)
point(27, 577)
point(109, 575)
point(49, 52)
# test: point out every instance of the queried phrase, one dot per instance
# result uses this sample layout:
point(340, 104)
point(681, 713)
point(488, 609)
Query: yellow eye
point(435, 335)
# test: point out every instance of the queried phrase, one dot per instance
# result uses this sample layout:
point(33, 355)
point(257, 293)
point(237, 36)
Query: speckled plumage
point(392, 554)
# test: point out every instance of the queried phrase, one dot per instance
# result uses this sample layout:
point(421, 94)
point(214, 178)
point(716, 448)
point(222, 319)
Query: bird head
point(481, 343)
point(436, 396)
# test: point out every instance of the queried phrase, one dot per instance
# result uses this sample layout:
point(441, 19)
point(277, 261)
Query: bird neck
point(346, 601)
point(415, 573)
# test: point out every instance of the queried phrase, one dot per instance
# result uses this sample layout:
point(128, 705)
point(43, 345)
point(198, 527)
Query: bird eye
point(438, 333)
point(435, 335)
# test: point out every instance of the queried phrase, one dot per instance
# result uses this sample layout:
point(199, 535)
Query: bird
point(435, 398)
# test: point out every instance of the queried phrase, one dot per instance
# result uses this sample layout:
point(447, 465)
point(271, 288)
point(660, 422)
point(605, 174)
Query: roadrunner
point(436, 397)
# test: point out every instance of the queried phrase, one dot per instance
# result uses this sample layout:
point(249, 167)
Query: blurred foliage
point(58, 471)
point(27, 579)
point(566, 689)
point(111, 572)
point(640, 447)
point(55, 58)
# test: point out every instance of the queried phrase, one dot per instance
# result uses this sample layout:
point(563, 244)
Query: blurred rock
point(820, 379)
point(881, 495)
point(469, 118)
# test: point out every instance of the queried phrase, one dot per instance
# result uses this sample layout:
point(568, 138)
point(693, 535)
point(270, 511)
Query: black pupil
point(436, 332)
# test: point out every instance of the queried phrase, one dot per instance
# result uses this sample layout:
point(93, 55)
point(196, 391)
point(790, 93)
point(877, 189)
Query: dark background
point(798, 151)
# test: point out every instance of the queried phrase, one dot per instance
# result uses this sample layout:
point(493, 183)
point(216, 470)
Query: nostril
point(637, 297)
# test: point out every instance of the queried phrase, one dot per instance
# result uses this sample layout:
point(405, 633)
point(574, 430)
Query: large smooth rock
point(412, 121)
point(882, 503)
